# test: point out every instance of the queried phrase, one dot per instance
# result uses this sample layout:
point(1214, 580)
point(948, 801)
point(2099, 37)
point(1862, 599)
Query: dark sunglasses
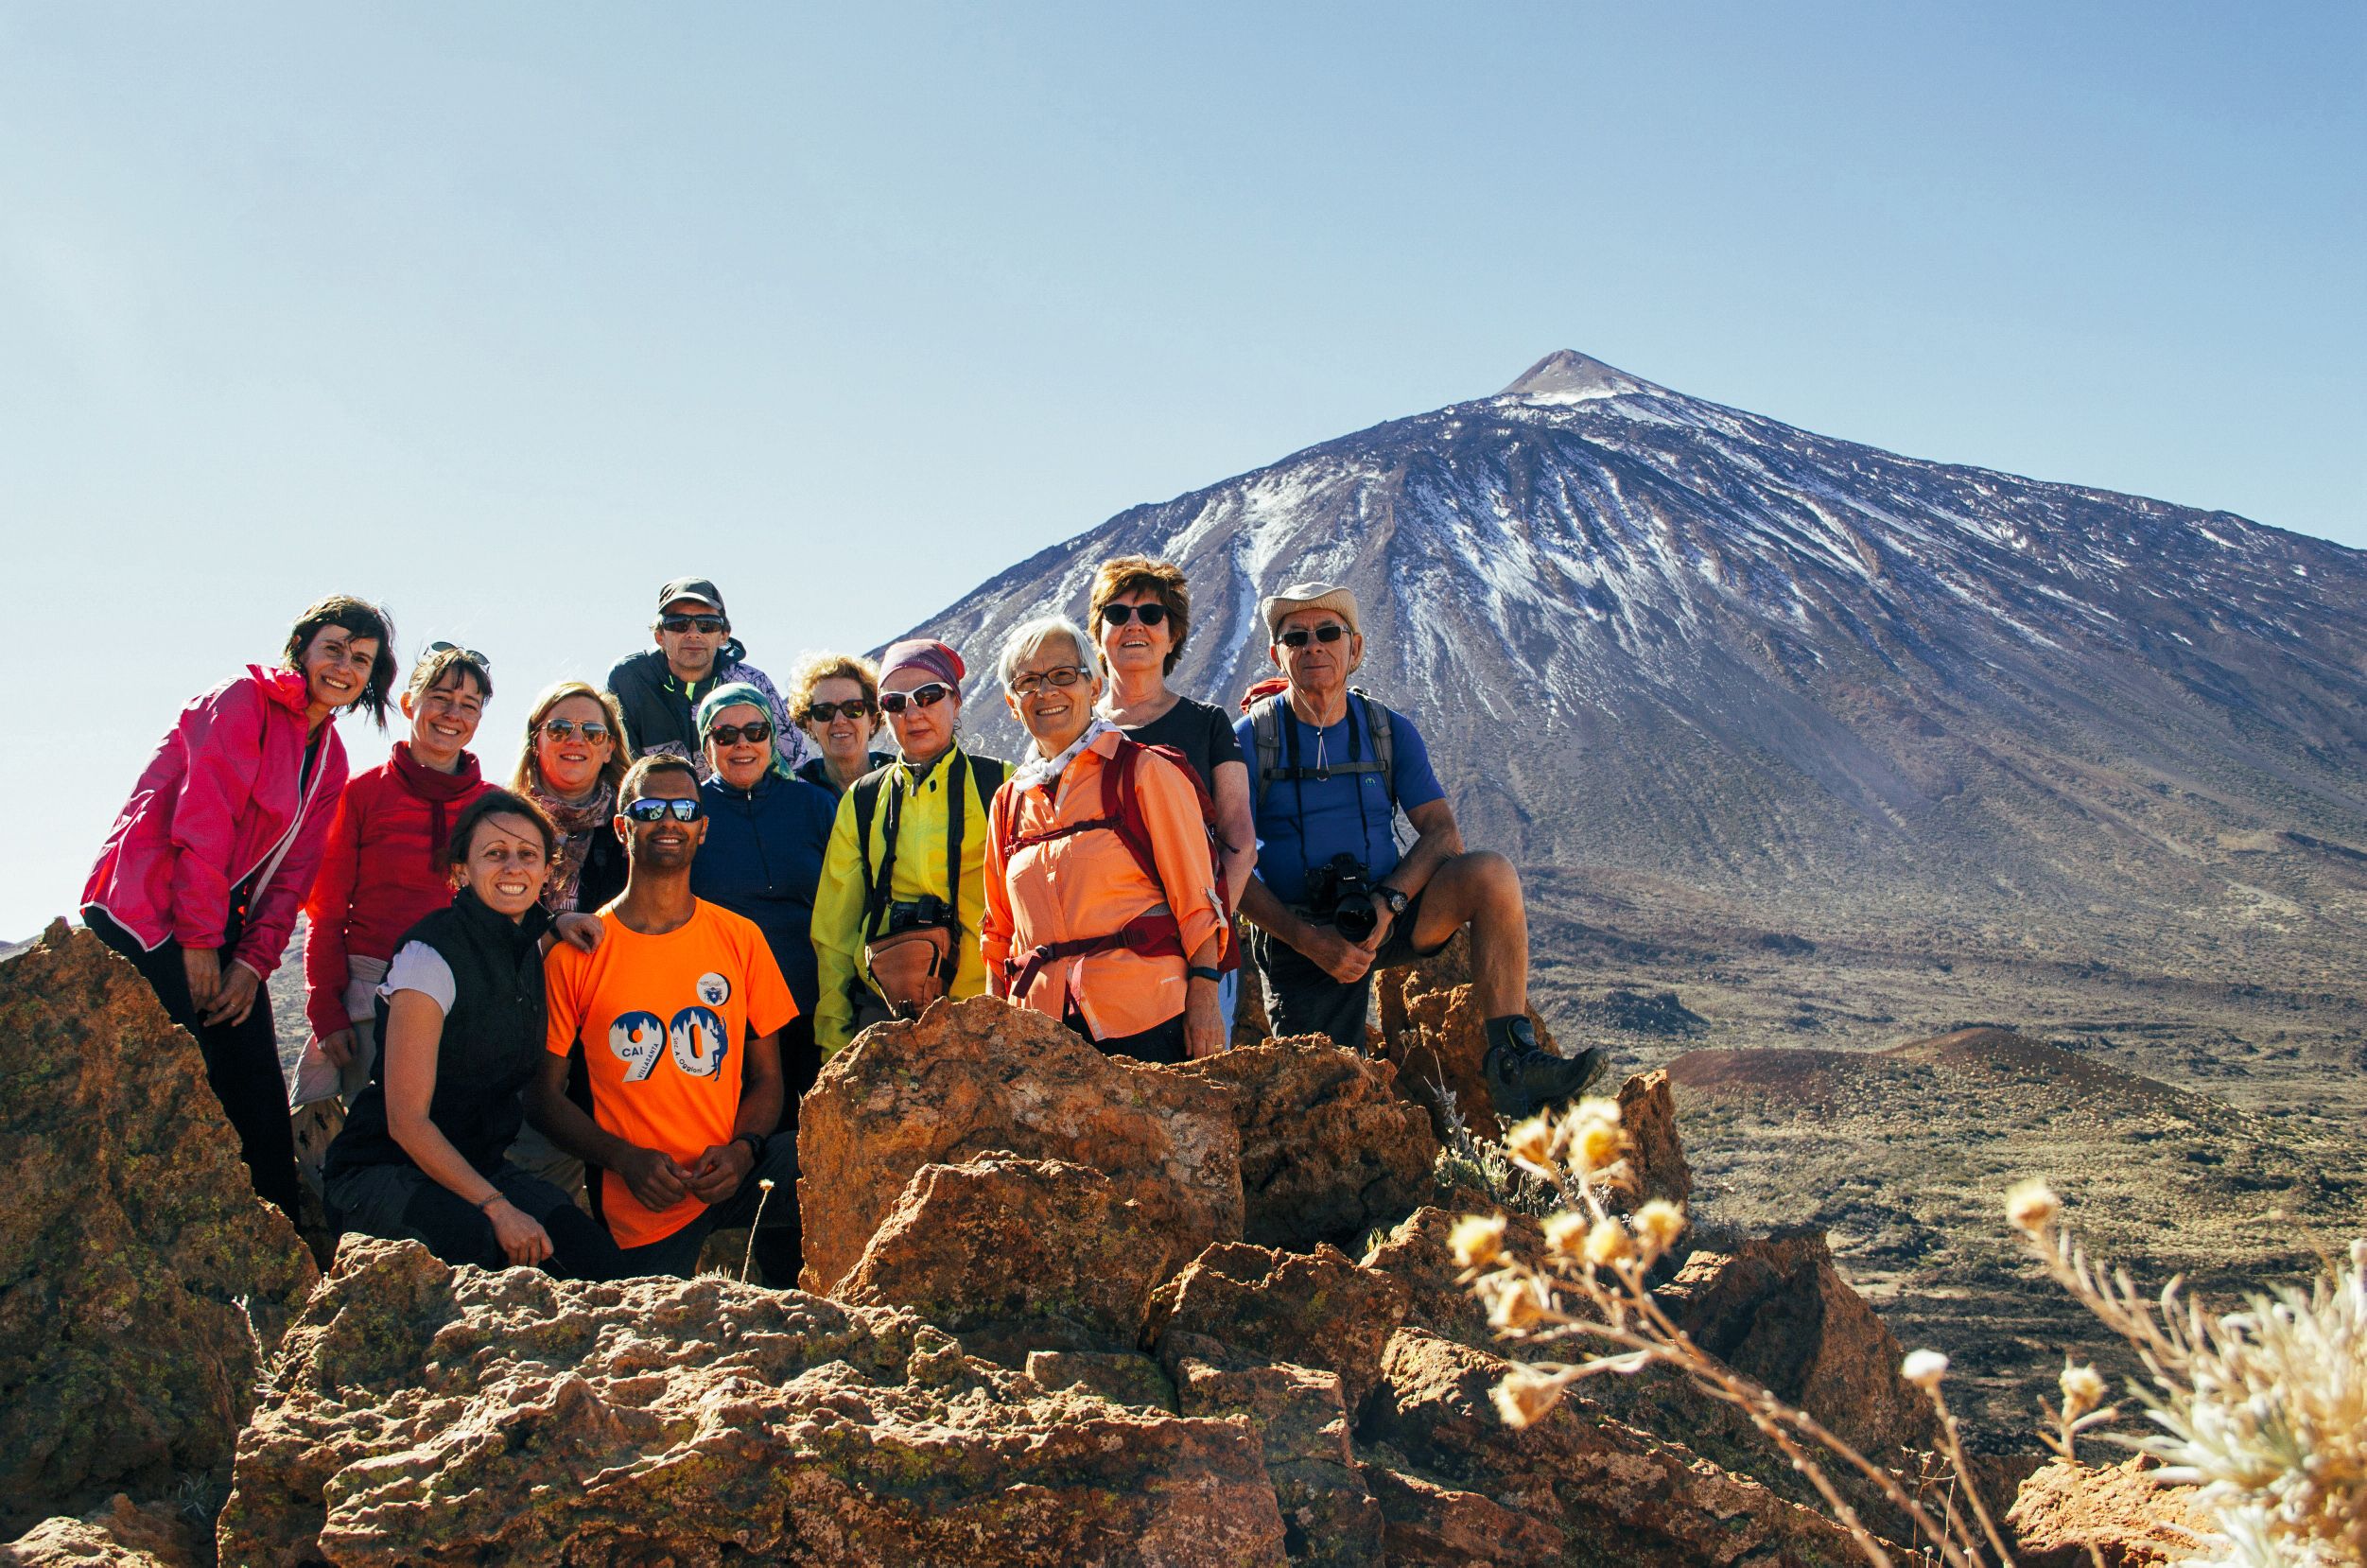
point(1149, 615)
point(651, 809)
point(704, 623)
point(470, 653)
point(730, 734)
point(854, 708)
point(1298, 636)
point(920, 696)
point(563, 729)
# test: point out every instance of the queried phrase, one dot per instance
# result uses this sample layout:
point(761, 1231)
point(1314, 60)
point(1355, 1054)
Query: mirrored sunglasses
point(651, 809)
point(920, 696)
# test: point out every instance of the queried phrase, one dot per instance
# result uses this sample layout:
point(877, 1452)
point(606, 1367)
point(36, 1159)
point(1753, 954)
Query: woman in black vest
point(460, 1022)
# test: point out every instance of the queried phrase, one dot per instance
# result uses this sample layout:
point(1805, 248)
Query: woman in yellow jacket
point(892, 931)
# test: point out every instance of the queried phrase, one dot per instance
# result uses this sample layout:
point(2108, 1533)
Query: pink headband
point(926, 655)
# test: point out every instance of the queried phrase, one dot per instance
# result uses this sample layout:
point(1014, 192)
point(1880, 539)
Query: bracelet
point(489, 1200)
point(1201, 971)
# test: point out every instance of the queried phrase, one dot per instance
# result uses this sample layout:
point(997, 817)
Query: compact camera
point(1342, 888)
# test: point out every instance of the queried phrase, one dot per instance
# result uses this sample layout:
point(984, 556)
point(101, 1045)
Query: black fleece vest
point(492, 1041)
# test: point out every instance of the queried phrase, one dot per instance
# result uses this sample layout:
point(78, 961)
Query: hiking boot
point(1524, 1078)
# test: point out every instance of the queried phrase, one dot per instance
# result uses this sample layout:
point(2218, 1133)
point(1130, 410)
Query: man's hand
point(522, 1240)
point(580, 930)
point(720, 1170)
point(1204, 1021)
point(1336, 955)
point(339, 1045)
point(654, 1178)
point(233, 999)
point(203, 969)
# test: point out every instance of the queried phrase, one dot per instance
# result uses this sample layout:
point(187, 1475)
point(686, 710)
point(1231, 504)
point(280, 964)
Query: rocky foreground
point(1058, 1309)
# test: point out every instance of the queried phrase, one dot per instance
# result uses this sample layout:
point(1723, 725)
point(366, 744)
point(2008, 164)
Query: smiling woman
point(199, 880)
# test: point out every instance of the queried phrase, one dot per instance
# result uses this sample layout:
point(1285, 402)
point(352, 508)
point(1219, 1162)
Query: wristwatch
point(1394, 898)
point(754, 1142)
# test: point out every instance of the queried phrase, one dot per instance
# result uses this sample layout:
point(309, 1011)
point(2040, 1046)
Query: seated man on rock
point(680, 1010)
point(1334, 898)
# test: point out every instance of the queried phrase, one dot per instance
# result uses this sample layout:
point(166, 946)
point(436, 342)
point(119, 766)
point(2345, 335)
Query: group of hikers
point(630, 962)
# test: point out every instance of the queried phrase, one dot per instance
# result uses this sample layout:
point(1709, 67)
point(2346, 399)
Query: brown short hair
point(430, 671)
point(363, 620)
point(494, 803)
point(528, 776)
point(1164, 580)
point(814, 668)
point(656, 762)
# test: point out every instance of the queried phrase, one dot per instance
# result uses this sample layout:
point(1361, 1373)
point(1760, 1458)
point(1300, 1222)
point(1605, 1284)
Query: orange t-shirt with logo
point(663, 1020)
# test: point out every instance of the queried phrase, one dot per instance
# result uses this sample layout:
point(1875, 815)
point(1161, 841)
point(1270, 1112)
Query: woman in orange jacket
point(1102, 904)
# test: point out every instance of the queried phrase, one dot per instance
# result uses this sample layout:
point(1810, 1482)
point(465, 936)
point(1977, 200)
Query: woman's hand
point(1204, 1021)
point(203, 968)
point(233, 999)
point(522, 1240)
point(339, 1046)
point(578, 930)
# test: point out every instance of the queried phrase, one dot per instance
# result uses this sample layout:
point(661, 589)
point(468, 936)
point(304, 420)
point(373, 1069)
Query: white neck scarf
point(1043, 770)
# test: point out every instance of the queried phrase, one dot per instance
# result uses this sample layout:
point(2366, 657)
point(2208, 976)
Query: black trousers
point(1161, 1042)
point(777, 1243)
point(404, 1203)
point(241, 1062)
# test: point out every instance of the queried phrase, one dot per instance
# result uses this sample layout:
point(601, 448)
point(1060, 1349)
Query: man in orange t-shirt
point(679, 1012)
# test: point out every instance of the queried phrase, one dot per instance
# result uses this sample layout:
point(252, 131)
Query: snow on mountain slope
point(1648, 633)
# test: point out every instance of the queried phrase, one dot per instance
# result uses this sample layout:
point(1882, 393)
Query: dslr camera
point(1342, 888)
point(918, 914)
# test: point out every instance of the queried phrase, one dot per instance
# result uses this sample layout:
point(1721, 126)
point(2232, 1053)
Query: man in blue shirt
point(1333, 898)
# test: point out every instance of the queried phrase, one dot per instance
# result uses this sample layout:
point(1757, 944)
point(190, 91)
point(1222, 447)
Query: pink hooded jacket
point(216, 805)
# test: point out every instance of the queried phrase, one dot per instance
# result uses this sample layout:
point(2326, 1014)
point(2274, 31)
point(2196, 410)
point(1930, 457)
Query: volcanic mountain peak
point(1566, 374)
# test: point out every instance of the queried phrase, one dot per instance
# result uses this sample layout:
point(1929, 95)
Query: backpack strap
point(1265, 735)
point(1377, 723)
point(876, 884)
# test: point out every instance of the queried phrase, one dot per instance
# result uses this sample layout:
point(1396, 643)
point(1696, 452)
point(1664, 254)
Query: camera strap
point(1298, 774)
point(880, 891)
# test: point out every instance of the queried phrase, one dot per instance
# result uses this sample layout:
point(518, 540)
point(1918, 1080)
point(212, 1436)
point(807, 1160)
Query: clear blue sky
point(505, 314)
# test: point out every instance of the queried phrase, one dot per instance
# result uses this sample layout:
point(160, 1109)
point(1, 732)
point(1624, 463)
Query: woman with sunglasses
point(201, 877)
point(574, 757)
point(1101, 901)
point(767, 831)
point(1141, 612)
point(384, 869)
point(836, 699)
point(896, 919)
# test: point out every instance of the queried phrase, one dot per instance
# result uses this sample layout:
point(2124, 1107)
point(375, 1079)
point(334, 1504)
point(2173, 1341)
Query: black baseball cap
point(691, 588)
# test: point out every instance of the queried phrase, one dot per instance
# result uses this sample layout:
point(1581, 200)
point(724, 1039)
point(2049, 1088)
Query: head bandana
point(927, 654)
point(736, 694)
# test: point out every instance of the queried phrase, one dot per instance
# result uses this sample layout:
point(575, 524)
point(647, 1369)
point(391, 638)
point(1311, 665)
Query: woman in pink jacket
point(200, 879)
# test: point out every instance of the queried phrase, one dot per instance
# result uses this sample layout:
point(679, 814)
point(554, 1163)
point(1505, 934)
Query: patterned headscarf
point(733, 695)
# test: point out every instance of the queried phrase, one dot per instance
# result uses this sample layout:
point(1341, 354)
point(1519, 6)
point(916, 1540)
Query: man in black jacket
point(660, 688)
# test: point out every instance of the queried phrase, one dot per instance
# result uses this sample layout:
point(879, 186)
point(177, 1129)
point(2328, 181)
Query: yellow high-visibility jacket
point(920, 868)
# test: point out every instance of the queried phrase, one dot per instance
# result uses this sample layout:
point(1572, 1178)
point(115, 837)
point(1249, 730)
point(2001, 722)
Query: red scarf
point(438, 790)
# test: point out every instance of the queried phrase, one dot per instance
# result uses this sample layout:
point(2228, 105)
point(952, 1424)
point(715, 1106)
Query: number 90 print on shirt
point(661, 1019)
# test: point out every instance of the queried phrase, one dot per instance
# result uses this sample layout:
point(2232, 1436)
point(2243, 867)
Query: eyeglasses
point(1068, 675)
point(854, 708)
point(469, 654)
point(1149, 615)
point(704, 623)
point(651, 809)
point(731, 735)
point(565, 729)
point(1298, 636)
point(920, 696)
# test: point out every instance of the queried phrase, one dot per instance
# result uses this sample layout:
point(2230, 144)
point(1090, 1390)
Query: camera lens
point(1355, 917)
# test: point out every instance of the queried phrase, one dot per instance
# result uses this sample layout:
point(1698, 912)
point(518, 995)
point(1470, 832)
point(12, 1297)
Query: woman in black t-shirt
point(1142, 611)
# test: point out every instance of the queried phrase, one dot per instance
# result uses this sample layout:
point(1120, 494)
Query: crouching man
point(1334, 899)
point(680, 1012)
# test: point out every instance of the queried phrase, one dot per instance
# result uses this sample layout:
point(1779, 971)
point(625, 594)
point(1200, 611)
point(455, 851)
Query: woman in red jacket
point(384, 870)
point(202, 875)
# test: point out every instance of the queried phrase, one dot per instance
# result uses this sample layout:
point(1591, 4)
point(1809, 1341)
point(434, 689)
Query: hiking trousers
point(241, 1062)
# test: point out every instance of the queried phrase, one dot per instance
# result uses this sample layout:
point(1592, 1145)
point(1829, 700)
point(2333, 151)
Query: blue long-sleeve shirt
point(762, 859)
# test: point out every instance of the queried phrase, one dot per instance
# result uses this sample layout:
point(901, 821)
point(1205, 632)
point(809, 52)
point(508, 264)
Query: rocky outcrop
point(982, 1076)
point(1589, 1482)
point(1655, 1166)
point(130, 1236)
point(1315, 1310)
point(2121, 1510)
point(1001, 1241)
point(1431, 1032)
point(1776, 1309)
point(1300, 1413)
point(115, 1535)
point(1330, 1147)
point(423, 1413)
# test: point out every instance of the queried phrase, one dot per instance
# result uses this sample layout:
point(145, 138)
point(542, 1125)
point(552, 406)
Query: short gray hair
point(1029, 637)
